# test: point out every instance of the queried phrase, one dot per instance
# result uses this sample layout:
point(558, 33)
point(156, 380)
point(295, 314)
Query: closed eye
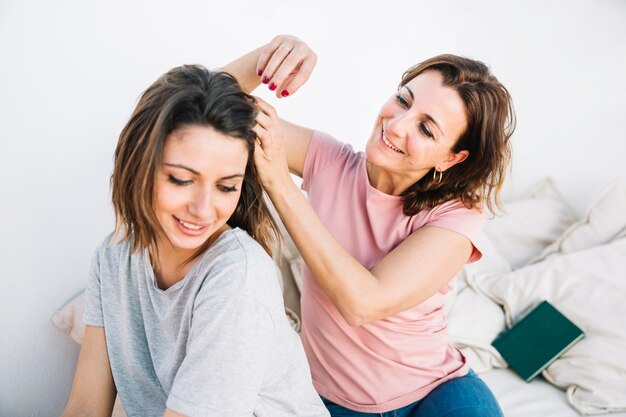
point(227, 189)
point(424, 129)
point(177, 181)
point(402, 101)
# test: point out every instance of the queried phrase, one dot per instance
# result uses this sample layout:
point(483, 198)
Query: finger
point(277, 62)
point(266, 108)
point(260, 155)
point(264, 121)
point(267, 116)
point(258, 152)
point(260, 132)
point(299, 63)
point(264, 137)
point(270, 49)
point(294, 83)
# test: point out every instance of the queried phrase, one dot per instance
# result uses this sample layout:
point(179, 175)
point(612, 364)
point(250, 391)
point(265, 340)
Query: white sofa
point(538, 250)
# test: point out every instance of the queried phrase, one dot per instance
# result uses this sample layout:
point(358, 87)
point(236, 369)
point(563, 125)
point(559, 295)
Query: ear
point(454, 159)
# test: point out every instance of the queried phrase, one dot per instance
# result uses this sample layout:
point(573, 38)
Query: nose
point(399, 125)
point(201, 205)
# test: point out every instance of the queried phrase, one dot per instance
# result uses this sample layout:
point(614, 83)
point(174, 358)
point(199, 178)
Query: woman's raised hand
point(269, 154)
point(285, 64)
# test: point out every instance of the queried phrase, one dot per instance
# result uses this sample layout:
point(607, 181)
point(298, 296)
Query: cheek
point(167, 200)
point(227, 203)
point(421, 147)
point(388, 109)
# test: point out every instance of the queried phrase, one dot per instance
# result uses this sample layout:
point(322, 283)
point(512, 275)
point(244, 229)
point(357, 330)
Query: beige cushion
point(530, 224)
point(589, 287)
point(70, 319)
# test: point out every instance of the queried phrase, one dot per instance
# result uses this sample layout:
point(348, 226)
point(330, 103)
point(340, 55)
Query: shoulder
point(456, 209)
point(328, 147)
point(455, 216)
point(237, 247)
point(111, 249)
point(326, 152)
point(237, 265)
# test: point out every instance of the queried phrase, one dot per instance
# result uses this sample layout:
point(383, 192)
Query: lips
point(388, 143)
point(190, 229)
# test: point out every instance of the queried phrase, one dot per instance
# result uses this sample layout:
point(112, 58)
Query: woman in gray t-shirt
point(184, 312)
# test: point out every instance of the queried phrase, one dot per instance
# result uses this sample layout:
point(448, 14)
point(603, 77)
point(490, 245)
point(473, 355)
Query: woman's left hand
point(269, 153)
point(285, 64)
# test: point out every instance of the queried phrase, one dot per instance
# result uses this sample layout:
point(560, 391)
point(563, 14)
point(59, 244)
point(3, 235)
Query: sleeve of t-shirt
point(323, 151)
point(453, 215)
point(227, 352)
point(93, 300)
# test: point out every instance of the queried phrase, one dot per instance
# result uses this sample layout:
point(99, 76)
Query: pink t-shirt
point(395, 361)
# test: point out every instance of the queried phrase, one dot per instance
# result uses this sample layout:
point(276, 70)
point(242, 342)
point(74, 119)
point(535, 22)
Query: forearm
point(244, 70)
point(347, 283)
point(77, 410)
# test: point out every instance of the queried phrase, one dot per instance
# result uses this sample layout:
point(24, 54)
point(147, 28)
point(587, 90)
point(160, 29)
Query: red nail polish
point(265, 80)
point(284, 93)
point(272, 86)
point(259, 72)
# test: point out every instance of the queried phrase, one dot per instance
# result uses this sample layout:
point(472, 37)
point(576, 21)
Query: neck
point(389, 182)
point(171, 264)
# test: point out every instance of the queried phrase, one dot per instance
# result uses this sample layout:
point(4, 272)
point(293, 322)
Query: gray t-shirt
point(217, 343)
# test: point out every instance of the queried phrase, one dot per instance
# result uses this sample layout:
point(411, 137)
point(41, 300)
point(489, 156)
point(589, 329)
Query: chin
point(187, 244)
point(373, 155)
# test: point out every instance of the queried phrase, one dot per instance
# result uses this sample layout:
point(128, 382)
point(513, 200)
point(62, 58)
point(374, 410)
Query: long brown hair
point(490, 124)
point(189, 95)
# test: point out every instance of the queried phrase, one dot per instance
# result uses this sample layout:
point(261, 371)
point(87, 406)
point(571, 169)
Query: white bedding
point(535, 399)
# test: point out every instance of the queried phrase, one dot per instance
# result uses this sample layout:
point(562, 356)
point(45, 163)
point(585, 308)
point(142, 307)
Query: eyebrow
point(428, 116)
point(193, 171)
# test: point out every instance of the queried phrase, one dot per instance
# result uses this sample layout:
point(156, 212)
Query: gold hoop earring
point(437, 180)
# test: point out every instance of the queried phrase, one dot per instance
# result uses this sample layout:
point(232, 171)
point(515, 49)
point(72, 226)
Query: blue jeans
point(466, 396)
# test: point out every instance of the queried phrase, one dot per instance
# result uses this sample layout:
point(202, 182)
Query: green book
point(537, 340)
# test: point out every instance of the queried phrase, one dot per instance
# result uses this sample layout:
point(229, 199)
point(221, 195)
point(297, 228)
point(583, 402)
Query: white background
point(71, 71)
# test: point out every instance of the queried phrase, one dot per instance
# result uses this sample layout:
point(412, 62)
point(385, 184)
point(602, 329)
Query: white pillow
point(474, 320)
point(605, 221)
point(473, 323)
point(531, 224)
point(589, 287)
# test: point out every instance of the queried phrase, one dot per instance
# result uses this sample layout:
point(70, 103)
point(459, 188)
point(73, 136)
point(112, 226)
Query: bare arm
point(407, 276)
point(284, 64)
point(93, 390)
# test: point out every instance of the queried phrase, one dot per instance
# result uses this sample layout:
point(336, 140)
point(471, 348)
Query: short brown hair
point(490, 124)
point(189, 95)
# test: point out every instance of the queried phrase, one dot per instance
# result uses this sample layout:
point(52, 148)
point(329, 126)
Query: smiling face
point(197, 188)
point(415, 131)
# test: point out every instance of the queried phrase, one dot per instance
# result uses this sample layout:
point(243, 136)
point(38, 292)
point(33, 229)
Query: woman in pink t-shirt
point(384, 231)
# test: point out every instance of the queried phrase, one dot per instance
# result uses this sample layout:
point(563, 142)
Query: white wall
point(70, 72)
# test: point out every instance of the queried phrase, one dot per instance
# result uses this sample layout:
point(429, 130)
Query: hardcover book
point(537, 340)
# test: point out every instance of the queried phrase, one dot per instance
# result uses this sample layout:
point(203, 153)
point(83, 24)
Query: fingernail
point(259, 72)
point(272, 86)
point(284, 93)
point(265, 80)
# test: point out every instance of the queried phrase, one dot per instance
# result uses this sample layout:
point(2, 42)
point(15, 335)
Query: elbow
point(359, 308)
point(356, 317)
point(353, 320)
point(357, 322)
